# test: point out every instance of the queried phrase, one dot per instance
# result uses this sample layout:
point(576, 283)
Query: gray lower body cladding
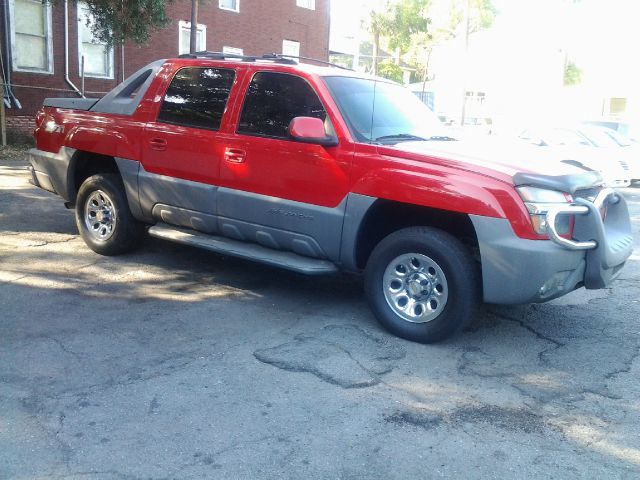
point(310, 230)
point(50, 171)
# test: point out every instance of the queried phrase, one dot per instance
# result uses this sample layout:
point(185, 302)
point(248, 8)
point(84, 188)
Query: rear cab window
point(197, 97)
point(274, 99)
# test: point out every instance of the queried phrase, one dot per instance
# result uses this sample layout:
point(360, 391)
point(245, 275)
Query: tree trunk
point(2, 118)
point(376, 48)
point(193, 41)
point(467, 24)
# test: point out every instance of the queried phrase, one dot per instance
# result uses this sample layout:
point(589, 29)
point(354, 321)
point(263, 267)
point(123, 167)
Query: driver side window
point(273, 100)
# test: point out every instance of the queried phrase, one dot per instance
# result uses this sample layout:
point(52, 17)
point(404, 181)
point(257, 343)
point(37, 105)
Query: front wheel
point(103, 216)
point(422, 284)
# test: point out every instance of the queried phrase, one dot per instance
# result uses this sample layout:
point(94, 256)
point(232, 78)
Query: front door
point(279, 192)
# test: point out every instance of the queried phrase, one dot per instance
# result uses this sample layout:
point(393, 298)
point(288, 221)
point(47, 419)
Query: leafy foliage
point(406, 18)
point(119, 20)
point(390, 70)
point(572, 74)
point(482, 13)
point(411, 27)
point(397, 24)
point(447, 24)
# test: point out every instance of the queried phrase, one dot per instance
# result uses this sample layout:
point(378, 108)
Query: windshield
point(381, 112)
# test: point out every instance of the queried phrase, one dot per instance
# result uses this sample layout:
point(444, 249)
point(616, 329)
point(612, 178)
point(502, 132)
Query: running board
point(251, 251)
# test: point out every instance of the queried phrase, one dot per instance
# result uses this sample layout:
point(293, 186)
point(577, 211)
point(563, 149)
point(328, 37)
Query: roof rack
point(270, 57)
point(282, 56)
point(235, 56)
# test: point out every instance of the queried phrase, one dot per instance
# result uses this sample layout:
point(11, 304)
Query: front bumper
point(516, 270)
point(606, 224)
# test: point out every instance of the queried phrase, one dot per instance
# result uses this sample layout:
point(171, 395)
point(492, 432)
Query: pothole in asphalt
point(346, 356)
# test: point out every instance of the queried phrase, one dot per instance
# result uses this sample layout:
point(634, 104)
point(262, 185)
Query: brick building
point(43, 45)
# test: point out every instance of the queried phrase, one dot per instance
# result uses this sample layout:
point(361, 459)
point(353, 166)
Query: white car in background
point(587, 147)
point(629, 149)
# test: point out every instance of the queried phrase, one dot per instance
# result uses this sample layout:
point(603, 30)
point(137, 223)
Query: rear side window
point(273, 100)
point(197, 97)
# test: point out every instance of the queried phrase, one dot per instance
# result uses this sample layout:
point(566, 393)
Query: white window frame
point(187, 25)
point(308, 4)
point(232, 50)
point(48, 37)
point(109, 74)
point(286, 42)
point(237, 9)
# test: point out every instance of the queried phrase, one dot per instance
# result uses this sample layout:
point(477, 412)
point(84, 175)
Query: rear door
point(181, 149)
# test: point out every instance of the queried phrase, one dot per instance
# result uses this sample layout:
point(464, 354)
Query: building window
point(617, 106)
point(197, 97)
point(310, 4)
point(31, 36)
point(232, 5)
point(98, 57)
point(232, 51)
point(185, 38)
point(291, 48)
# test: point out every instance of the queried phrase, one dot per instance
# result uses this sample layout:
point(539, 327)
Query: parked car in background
point(586, 147)
point(623, 128)
point(629, 148)
point(473, 127)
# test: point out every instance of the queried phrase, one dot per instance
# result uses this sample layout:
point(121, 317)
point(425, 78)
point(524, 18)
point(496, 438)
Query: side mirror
point(311, 130)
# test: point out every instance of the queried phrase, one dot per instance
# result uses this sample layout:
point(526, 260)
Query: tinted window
point(273, 100)
point(197, 97)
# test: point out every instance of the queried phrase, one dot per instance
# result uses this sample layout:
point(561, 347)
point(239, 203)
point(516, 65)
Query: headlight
point(538, 202)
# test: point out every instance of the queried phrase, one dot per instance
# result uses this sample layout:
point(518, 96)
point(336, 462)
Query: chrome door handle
point(234, 155)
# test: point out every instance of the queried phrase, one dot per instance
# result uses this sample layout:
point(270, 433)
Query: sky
point(600, 36)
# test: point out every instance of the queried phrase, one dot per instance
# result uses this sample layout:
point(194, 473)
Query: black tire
point(125, 232)
point(433, 248)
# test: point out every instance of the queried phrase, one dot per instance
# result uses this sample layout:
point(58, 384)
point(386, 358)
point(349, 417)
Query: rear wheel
point(103, 216)
point(421, 284)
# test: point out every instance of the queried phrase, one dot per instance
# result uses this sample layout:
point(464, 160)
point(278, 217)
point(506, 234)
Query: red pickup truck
point(318, 169)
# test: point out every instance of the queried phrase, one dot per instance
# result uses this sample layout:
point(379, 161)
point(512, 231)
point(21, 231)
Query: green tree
point(407, 18)
point(392, 71)
point(572, 74)
point(396, 24)
point(448, 26)
point(120, 20)
point(482, 14)
point(378, 27)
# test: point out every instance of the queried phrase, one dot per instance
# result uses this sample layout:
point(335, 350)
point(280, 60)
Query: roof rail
point(282, 56)
point(270, 57)
point(235, 56)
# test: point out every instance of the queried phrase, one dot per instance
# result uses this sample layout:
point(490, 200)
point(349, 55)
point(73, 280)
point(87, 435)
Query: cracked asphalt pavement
point(174, 363)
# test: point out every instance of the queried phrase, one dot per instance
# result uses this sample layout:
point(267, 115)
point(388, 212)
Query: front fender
point(452, 191)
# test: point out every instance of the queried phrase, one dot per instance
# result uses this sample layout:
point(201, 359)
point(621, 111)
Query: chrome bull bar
point(606, 196)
